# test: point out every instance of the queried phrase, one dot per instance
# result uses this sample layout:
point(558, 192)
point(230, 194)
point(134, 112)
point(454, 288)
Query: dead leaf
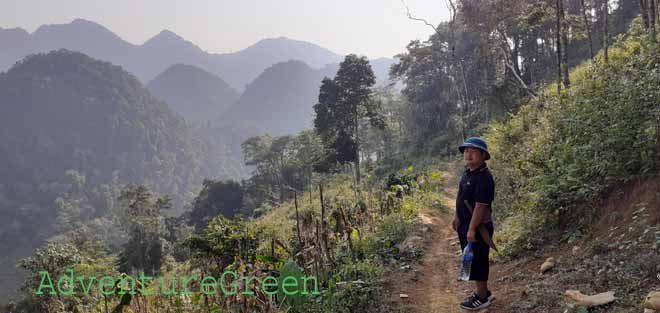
point(652, 301)
point(590, 301)
point(547, 265)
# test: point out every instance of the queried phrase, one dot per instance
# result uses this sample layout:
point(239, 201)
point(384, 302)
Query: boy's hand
point(472, 235)
point(454, 224)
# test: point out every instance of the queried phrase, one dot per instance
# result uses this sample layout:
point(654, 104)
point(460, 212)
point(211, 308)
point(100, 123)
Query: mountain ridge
point(159, 52)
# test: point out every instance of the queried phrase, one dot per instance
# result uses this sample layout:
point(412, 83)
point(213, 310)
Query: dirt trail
point(432, 285)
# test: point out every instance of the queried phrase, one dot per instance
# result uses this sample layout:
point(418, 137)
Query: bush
point(560, 153)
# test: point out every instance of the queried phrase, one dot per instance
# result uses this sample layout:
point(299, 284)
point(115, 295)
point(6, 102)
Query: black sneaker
point(475, 302)
point(490, 296)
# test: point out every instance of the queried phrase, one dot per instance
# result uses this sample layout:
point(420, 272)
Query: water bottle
point(466, 263)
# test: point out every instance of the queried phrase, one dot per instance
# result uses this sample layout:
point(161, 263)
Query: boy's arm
point(477, 215)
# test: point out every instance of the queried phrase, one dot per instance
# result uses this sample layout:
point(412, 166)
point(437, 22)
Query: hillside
point(63, 112)
point(356, 202)
point(192, 92)
point(280, 100)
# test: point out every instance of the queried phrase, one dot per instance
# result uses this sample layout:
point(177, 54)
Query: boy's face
point(473, 157)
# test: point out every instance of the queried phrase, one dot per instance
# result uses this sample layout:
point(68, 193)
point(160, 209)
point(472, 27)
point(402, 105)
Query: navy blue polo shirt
point(475, 186)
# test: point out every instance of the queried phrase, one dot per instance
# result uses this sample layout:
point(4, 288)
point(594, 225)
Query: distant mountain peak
point(281, 39)
point(84, 21)
point(193, 92)
point(165, 36)
point(169, 39)
point(15, 30)
point(81, 26)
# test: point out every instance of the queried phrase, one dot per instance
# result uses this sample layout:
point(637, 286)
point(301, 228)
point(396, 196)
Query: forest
point(106, 176)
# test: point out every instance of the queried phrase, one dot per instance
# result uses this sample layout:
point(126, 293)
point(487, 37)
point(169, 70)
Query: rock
point(576, 249)
point(649, 311)
point(547, 265)
point(410, 243)
point(403, 295)
point(583, 300)
point(652, 301)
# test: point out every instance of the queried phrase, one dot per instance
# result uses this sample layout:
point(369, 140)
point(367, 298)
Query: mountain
point(247, 64)
point(64, 111)
point(193, 92)
point(12, 42)
point(280, 100)
point(167, 49)
point(157, 54)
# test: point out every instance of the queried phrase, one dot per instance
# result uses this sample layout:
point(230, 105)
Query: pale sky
point(376, 28)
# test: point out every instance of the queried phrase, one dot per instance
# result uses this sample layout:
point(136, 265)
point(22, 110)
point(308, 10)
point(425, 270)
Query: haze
point(376, 28)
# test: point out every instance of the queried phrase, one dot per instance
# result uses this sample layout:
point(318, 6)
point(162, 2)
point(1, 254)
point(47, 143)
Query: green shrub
point(558, 154)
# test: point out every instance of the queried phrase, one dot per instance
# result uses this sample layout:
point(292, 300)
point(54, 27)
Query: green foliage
point(291, 269)
point(485, 62)
point(223, 240)
point(393, 230)
point(558, 154)
point(74, 129)
point(280, 165)
point(401, 184)
point(343, 102)
point(141, 217)
point(54, 258)
point(216, 198)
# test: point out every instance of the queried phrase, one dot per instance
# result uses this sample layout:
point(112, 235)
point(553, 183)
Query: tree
point(649, 11)
point(54, 258)
point(141, 217)
point(343, 102)
point(223, 198)
point(587, 26)
point(220, 243)
point(562, 43)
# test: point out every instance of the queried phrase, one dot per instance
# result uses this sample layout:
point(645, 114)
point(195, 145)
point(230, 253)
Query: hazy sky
point(376, 28)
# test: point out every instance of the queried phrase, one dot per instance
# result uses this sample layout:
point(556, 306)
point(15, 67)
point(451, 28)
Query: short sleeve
point(484, 191)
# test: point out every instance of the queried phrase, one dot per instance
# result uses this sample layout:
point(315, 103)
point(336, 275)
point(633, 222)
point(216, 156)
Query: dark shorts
point(480, 263)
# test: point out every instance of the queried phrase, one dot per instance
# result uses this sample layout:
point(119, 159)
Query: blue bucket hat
point(475, 142)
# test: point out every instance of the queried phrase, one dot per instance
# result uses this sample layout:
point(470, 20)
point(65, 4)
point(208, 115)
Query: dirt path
point(432, 286)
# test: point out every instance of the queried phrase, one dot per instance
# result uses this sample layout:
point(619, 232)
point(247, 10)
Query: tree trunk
point(322, 203)
point(564, 42)
point(295, 201)
point(643, 8)
point(606, 30)
point(587, 26)
point(558, 41)
point(357, 151)
point(653, 4)
point(280, 178)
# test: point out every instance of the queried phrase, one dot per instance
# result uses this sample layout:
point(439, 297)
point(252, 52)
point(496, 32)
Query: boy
point(476, 191)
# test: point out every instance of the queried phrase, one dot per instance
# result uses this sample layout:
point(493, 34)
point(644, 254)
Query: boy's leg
point(481, 264)
point(482, 288)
